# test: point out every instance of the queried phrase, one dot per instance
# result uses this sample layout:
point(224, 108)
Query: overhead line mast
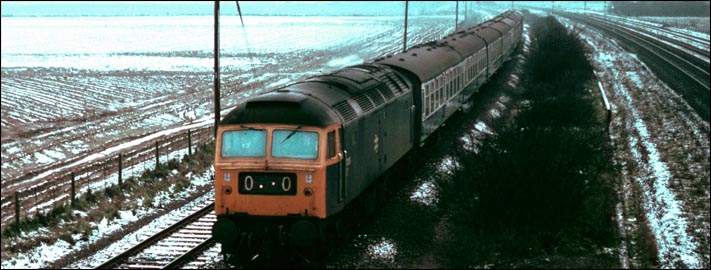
point(404, 37)
point(217, 65)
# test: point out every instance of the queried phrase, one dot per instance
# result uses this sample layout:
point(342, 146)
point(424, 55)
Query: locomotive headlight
point(228, 190)
point(227, 176)
point(308, 192)
point(309, 179)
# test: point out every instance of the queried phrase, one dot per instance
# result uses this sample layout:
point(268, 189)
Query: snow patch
point(447, 165)
point(425, 193)
point(383, 250)
point(352, 59)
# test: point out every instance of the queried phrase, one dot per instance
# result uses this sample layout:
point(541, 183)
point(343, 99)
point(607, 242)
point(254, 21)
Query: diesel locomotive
point(297, 166)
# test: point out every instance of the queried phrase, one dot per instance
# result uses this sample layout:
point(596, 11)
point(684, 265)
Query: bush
point(535, 187)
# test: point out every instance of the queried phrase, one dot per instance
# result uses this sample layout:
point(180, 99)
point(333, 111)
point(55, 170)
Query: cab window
point(294, 144)
point(244, 143)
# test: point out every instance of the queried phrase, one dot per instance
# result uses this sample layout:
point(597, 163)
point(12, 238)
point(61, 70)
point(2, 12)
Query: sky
point(163, 8)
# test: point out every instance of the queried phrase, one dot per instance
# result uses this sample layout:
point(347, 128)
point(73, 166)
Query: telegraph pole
point(404, 37)
point(456, 17)
point(217, 65)
point(465, 10)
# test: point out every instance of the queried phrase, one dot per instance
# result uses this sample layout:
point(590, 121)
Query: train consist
point(296, 167)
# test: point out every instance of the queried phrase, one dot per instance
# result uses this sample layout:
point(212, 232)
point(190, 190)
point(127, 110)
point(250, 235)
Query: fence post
point(190, 144)
point(17, 210)
point(120, 171)
point(157, 160)
point(73, 193)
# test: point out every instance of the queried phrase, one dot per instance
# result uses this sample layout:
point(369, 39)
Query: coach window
point(426, 99)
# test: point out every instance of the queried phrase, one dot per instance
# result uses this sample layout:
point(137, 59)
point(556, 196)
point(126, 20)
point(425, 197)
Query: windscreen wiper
point(290, 134)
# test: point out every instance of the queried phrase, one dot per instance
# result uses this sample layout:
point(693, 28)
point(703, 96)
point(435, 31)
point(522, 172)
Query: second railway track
point(172, 247)
point(690, 79)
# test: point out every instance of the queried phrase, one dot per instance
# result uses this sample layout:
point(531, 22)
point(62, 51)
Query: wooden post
point(17, 210)
point(120, 171)
point(73, 192)
point(157, 159)
point(190, 144)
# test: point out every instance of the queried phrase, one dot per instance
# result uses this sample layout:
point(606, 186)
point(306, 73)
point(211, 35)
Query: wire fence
point(56, 188)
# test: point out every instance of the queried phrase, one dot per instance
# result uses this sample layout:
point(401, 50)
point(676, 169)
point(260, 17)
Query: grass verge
point(76, 223)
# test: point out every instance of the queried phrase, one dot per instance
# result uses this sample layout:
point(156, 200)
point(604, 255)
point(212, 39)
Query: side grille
point(364, 102)
point(387, 92)
point(374, 95)
point(346, 111)
point(398, 81)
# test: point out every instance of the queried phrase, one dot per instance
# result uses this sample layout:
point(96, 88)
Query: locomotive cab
point(255, 163)
point(275, 155)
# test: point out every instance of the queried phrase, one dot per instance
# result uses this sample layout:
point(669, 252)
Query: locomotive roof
point(353, 79)
point(282, 106)
point(320, 100)
point(426, 61)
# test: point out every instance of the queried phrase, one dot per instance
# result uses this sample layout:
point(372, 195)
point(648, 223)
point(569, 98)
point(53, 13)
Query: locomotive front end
point(271, 162)
point(271, 170)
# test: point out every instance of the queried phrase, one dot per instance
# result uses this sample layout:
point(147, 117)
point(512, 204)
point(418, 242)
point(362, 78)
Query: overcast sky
point(162, 8)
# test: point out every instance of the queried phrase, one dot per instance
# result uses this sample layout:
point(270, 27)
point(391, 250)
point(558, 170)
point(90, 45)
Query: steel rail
point(662, 28)
point(629, 35)
point(190, 254)
point(688, 46)
point(155, 238)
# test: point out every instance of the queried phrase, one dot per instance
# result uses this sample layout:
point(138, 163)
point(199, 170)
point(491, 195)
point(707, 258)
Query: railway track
point(699, 46)
point(684, 72)
point(173, 247)
point(644, 25)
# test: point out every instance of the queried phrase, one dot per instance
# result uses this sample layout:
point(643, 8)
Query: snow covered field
point(114, 81)
point(116, 77)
